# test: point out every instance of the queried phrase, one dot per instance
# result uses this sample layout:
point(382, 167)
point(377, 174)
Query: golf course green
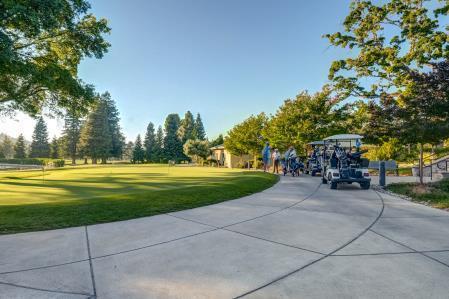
point(74, 196)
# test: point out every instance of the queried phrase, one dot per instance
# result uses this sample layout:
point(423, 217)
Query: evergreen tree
point(186, 128)
point(96, 140)
point(138, 152)
point(19, 148)
point(218, 141)
point(54, 149)
point(7, 148)
point(71, 135)
point(128, 151)
point(39, 145)
point(150, 143)
point(198, 131)
point(117, 138)
point(172, 144)
point(159, 145)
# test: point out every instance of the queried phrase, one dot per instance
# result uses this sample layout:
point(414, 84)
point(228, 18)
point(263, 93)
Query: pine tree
point(54, 149)
point(159, 145)
point(187, 127)
point(39, 145)
point(150, 143)
point(19, 148)
point(117, 137)
point(138, 152)
point(172, 144)
point(96, 140)
point(198, 131)
point(71, 135)
point(218, 141)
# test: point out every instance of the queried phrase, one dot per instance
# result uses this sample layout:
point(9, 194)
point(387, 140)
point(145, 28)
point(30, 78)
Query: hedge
point(35, 161)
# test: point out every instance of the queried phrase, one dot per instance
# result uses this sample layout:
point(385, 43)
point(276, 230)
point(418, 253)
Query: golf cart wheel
point(313, 173)
point(365, 186)
point(333, 185)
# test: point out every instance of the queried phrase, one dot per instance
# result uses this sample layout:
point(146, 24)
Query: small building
point(226, 159)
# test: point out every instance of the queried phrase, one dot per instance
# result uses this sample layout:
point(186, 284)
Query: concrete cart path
point(298, 239)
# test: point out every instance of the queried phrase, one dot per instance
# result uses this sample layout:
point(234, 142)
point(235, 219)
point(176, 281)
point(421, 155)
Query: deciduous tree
point(42, 44)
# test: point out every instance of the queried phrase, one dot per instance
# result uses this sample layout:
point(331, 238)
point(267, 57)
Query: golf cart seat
point(334, 162)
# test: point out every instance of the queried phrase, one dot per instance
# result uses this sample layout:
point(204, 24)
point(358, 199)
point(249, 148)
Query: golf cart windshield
point(343, 140)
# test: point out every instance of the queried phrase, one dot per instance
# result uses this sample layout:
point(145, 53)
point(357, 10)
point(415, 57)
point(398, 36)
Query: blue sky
point(223, 59)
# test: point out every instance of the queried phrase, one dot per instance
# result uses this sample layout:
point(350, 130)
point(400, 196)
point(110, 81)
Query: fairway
point(87, 195)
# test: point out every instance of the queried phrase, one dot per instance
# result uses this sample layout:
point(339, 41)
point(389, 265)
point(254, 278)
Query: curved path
point(298, 239)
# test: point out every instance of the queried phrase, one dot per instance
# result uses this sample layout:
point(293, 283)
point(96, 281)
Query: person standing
point(276, 157)
point(266, 157)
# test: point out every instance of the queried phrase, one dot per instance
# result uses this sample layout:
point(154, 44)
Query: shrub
point(58, 163)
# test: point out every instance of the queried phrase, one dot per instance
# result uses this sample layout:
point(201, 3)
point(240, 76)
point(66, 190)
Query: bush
point(58, 163)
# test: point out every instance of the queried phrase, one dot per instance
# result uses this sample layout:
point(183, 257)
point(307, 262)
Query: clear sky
point(226, 59)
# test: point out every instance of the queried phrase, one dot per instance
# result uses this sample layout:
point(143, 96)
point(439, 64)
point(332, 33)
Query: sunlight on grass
point(85, 195)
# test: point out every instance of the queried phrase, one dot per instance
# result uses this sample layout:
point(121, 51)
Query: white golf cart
point(313, 163)
point(343, 166)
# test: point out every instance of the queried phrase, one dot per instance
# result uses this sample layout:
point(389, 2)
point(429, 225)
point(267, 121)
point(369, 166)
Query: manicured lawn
point(87, 195)
point(437, 194)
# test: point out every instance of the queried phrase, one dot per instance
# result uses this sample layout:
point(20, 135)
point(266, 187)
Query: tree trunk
point(421, 164)
point(94, 160)
point(73, 161)
point(103, 160)
point(85, 160)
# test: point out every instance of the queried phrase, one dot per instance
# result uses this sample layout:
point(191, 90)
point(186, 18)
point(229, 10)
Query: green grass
point(437, 194)
point(76, 196)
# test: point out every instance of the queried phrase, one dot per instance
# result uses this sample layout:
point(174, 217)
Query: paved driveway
point(298, 239)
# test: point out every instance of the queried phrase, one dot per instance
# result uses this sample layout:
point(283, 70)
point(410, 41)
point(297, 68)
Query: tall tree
point(419, 115)
point(40, 147)
point(117, 137)
point(172, 144)
point(150, 143)
point(186, 128)
point(71, 134)
point(54, 149)
point(394, 42)
point(42, 44)
point(198, 130)
point(20, 148)
point(246, 137)
point(306, 118)
point(96, 141)
point(389, 39)
point(7, 148)
point(138, 152)
point(159, 145)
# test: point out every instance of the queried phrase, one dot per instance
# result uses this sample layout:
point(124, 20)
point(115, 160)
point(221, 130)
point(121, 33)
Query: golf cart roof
point(343, 137)
point(319, 142)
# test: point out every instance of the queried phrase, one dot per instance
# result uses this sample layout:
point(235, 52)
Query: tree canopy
point(42, 44)
point(390, 40)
